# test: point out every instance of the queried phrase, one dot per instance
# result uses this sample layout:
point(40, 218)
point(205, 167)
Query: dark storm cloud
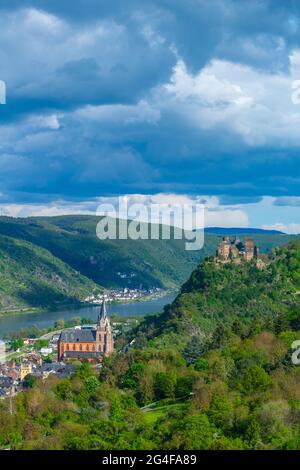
point(88, 111)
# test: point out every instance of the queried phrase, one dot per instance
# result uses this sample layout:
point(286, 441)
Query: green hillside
point(219, 293)
point(118, 263)
point(214, 371)
point(31, 276)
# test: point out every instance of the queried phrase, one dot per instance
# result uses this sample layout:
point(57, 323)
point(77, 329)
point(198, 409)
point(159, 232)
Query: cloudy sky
point(185, 99)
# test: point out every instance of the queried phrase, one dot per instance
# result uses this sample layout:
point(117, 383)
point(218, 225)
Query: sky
point(179, 100)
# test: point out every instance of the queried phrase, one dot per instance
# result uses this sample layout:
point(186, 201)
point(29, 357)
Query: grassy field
point(152, 414)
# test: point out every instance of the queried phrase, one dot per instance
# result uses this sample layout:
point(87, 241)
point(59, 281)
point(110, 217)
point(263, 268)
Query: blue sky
point(185, 98)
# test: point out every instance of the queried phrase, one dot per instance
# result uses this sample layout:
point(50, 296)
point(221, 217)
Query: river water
point(15, 322)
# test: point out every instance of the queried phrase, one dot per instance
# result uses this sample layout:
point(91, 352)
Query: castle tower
point(104, 337)
point(224, 249)
point(249, 249)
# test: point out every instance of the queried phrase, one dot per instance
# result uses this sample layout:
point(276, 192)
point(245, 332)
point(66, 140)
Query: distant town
point(125, 295)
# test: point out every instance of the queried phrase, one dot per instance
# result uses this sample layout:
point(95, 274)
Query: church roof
point(80, 336)
point(82, 354)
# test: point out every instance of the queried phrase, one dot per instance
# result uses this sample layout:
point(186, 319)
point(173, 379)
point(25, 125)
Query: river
point(15, 322)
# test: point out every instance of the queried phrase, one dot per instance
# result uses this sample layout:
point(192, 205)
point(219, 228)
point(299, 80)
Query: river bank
point(81, 305)
point(11, 323)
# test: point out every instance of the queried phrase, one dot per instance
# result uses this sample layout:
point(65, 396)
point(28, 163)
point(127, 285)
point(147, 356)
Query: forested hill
point(232, 294)
point(31, 276)
point(81, 263)
point(109, 263)
point(119, 263)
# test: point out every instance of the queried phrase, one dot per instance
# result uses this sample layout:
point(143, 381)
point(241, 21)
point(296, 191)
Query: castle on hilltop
point(235, 249)
point(87, 343)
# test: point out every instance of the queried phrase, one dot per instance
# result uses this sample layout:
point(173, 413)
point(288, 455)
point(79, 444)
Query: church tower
point(104, 338)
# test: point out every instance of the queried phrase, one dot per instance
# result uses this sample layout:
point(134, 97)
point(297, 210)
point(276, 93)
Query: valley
point(47, 262)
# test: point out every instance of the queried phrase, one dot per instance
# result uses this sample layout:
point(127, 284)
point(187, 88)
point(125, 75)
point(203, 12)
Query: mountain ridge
point(111, 263)
point(243, 291)
point(241, 230)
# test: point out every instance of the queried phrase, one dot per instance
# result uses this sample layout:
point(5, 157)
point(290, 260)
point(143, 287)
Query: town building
point(25, 369)
point(87, 343)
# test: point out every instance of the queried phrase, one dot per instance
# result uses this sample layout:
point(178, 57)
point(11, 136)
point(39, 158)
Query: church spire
point(103, 313)
point(104, 337)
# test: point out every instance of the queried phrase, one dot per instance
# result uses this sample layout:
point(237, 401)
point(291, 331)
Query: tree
point(59, 324)
point(255, 380)
point(256, 326)
point(295, 322)
point(16, 343)
point(40, 343)
point(194, 349)
point(220, 412)
point(219, 337)
point(281, 323)
point(29, 381)
point(63, 390)
point(145, 391)
point(164, 385)
point(237, 327)
point(132, 376)
point(252, 434)
point(84, 370)
point(184, 386)
point(194, 433)
point(91, 384)
point(201, 364)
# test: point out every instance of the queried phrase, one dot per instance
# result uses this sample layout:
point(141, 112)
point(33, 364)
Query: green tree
point(164, 385)
point(16, 343)
point(91, 384)
point(255, 379)
point(220, 412)
point(184, 386)
point(220, 336)
point(29, 381)
point(281, 323)
point(59, 324)
point(194, 432)
point(194, 349)
point(252, 434)
point(133, 375)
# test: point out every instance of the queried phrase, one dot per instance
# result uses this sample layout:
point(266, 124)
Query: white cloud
point(215, 214)
point(255, 105)
point(39, 21)
point(226, 218)
point(118, 113)
point(292, 228)
point(50, 121)
point(51, 209)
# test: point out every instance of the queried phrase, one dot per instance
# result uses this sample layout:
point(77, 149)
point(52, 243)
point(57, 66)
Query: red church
point(87, 343)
